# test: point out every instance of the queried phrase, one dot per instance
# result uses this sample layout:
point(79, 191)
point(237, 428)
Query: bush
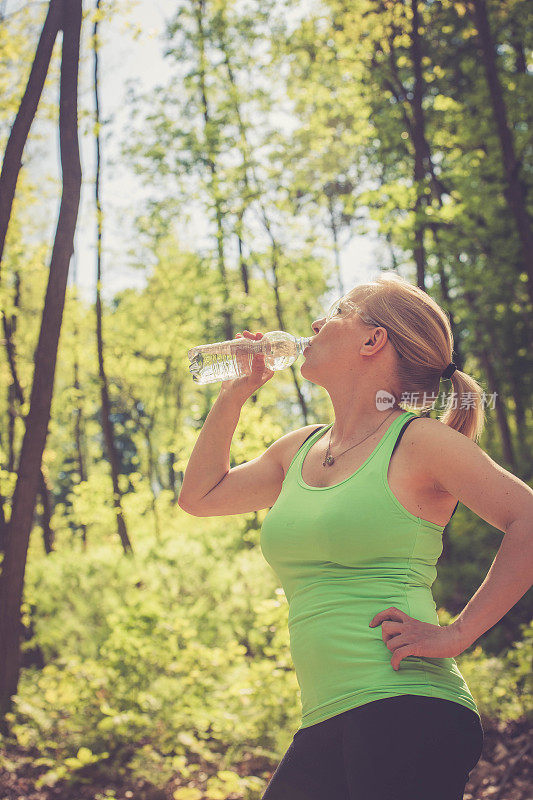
point(181, 655)
point(502, 686)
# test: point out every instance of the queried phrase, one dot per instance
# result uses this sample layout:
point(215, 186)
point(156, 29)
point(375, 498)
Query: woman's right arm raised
point(210, 488)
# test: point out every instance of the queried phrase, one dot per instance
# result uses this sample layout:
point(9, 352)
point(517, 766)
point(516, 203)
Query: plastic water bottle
point(223, 361)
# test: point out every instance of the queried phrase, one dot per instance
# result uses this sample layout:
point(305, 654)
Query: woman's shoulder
point(289, 444)
point(427, 429)
point(459, 466)
point(436, 447)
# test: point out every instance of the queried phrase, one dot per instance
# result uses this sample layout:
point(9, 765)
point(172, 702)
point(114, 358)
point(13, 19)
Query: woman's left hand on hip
point(406, 636)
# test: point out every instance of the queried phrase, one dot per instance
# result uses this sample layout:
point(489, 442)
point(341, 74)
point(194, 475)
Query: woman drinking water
point(354, 531)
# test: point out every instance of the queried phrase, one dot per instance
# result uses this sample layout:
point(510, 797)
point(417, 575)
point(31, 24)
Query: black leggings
point(406, 747)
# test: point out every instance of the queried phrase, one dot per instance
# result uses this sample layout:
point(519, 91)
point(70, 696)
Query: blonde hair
point(420, 332)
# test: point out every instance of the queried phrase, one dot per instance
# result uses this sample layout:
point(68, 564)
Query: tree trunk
point(416, 128)
point(510, 376)
point(199, 8)
point(423, 167)
point(78, 418)
point(516, 192)
point(233, 91)
point(419, 138)
point(151, 477)
point(79, 443)
point(520, 63)
point(15, 403)
point(107, 423)
point(25, 116)
point(494, 387)
point(521, 426)
point(255, 192)
point(445, 294)
point(3, 522)
point(19, 527)
point(281, 323)
point(501, 413)
point(171, 473)
point(15, 394)
point(48, 533)
point(336, 247)
point(245, 276)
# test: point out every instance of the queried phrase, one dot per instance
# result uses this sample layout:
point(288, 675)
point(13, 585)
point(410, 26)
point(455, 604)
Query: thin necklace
point(329, 460)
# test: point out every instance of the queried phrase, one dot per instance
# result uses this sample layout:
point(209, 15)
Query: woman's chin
point(306, 373)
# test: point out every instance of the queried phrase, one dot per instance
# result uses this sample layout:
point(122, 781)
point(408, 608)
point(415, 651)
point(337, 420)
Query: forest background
point(243, 164)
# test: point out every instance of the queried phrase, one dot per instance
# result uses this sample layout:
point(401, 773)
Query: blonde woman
point(354, 531)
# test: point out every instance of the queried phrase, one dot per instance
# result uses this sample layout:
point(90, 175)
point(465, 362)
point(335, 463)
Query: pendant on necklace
point(329, 460)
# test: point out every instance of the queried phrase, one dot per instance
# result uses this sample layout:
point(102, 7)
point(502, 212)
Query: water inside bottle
point(211, 367)
point(224, 361)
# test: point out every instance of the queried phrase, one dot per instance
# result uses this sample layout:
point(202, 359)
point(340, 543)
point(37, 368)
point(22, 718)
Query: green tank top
point(342, 553)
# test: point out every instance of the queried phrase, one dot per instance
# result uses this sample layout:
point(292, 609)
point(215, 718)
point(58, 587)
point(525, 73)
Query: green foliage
point(502, 686)
point(161, 669)
point(181, 656)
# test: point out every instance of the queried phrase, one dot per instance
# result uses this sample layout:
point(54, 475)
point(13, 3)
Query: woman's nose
point(316, 325)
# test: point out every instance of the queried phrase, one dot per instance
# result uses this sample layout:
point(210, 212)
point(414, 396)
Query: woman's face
point(340, 311)
point(343, 326)
point(343, 308)
point(336, 333)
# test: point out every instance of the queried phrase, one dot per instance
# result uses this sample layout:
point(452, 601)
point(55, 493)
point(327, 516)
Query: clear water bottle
point(223, 361)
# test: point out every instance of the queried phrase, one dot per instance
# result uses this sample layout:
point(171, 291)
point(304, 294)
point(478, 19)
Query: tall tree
point(37, 420)
point(419, 145)
point(199, 10)
point(78, 411)
point(25, 116)
point(107, 422)
point(251, 191)
point(516, 192)
point(15, 405)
